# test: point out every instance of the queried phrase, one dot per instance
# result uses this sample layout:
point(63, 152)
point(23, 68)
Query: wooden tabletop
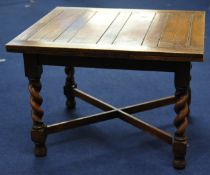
point(140, 34)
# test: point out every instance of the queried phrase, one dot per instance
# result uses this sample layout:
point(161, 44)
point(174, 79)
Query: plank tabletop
point(142, 34)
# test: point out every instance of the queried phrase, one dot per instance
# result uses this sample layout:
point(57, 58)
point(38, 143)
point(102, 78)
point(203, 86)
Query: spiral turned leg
point(181, 120)
point(181, 123)
point(38, 134)
point(69, 86)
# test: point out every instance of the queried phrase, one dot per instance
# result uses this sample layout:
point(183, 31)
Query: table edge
point(146, 53)
point(192, 54)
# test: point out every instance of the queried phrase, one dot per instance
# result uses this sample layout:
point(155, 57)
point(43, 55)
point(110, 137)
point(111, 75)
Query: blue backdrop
point(111, 147)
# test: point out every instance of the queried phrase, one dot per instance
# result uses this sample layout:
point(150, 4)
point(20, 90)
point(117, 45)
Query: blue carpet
point(111, 147)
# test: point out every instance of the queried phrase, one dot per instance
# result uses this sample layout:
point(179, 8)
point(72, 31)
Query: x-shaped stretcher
point(112, 112)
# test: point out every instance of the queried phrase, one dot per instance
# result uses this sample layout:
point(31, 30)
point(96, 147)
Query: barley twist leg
point(38, 133)
point(181, 108)
point(182, 79)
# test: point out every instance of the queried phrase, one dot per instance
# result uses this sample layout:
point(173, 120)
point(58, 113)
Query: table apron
point(109, 63)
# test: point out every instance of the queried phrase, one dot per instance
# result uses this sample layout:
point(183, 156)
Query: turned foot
point(40, 150)
point(179, 150)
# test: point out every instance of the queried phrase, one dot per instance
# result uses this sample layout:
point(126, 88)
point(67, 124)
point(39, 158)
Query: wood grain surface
point(96, 31)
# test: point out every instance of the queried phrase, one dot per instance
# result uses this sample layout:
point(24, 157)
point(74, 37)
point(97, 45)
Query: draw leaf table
point(148, 40)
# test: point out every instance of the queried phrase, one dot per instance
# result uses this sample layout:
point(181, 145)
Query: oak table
point(148, 40)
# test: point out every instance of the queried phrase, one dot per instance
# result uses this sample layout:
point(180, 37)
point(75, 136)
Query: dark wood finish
point(69, 86)
point(38, 133)
point(92, 100)
point(115, 112)
point(149, 105)
point(94, 32)
point(189, 91)
point(58, 127)
point(148, 40)
point(127, 117)
point(147, 127)
point(182, 79)
point(112, 63)
point(128, 109)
